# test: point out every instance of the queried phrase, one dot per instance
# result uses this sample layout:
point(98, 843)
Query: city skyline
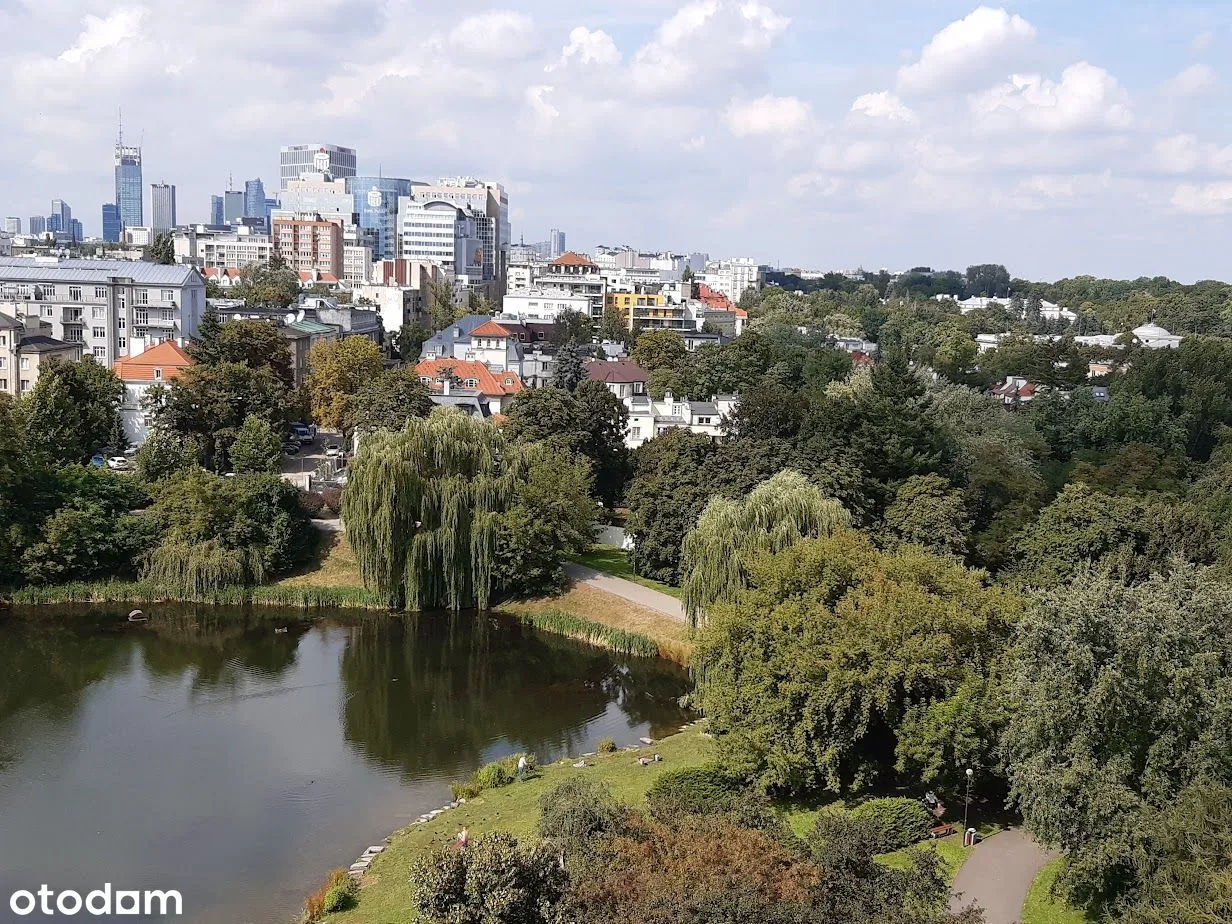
point(951, 134)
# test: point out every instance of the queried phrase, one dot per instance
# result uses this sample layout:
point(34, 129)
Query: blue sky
point(1055, 137)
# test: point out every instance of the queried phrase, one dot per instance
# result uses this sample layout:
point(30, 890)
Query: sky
point(1054, 136)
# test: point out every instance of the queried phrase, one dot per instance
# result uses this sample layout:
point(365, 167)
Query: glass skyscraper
point(113, 227)
point(254, 199)
point(216, 210)
point(162, 206)
point(376, 204)
point(128, 188)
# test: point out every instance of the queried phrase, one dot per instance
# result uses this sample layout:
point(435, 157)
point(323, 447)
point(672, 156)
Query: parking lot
point(312, 460)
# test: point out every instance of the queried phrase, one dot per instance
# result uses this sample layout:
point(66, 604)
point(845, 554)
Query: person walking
point(522, 767)
point(464, 839)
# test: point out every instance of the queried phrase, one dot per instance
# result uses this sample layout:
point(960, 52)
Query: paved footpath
point(629, 590)
point(998, 875)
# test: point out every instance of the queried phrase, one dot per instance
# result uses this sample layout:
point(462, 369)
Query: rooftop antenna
point(120, 135)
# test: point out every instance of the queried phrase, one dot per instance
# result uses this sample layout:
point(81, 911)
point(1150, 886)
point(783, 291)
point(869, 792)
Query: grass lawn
point(333, 565)
point(614, 561)
point(1042, 908)
point(385, 893)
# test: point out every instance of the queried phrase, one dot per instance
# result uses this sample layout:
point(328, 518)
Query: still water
point(206, 752)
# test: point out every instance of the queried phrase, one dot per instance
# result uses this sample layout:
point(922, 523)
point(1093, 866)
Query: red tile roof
point(617, 370)
point(167, 356)
point(493, 384)
point(713, 298)
point(569, 258)
point(492, 329)
point(213, 272)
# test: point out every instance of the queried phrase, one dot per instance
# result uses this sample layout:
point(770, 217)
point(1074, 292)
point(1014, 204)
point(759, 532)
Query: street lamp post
point(967, 802)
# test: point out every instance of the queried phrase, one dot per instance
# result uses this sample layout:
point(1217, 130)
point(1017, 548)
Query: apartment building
point(309, 244)
point(543, 304)
point(732, 277)
point(578, 275)
point(111, 308)
point(156, 366)
point(208, 248)
point(25, 349)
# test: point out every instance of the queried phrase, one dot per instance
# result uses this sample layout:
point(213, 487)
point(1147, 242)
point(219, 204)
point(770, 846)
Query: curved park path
point(633, 592)
point(998, 875)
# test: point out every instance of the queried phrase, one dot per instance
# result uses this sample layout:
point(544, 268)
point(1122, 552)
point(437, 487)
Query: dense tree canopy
point(339, 370)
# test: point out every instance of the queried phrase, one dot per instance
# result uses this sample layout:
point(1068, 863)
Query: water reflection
point(213, 751)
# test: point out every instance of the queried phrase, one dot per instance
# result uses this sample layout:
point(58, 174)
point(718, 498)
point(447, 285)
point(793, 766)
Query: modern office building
point(216, 210)
point(12, 226)
point(319, 194)
point(61, 217)
point(128, 189)
point(37, 224)
point(162, 206)
point(254, 199)
point(232, 206)
point(76, 230)
point(376, 210)
point(556, 243)
point(112, 308)
point(299, 159)
point(486, 198)
point(113, 227)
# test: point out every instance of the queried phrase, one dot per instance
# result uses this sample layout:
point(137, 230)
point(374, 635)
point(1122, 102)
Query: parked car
point(118, 464)
point(98, 460)
point(305, 433)
point(291, 448)
point(333, 450)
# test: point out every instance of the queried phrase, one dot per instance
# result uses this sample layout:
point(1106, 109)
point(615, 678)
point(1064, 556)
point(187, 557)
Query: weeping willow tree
point(422, 509)
point(198, 569)
point(777, 513)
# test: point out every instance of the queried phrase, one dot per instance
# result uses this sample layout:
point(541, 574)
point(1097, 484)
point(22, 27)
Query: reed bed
point(147, 592)
point(618, 640)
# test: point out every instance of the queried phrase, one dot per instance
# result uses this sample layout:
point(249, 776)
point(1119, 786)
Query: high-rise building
point(12, 226)
point(297, 159)
point(376, 210)
point(232, 206)
point(76, 230)
point(162, 206)
point(129, 192)
point(37, 224)
point(486, 197)
point(216, 210)
point(312, 245)
point(556, 243)
point(254, 199)
point(61, 217)
point(113, 225)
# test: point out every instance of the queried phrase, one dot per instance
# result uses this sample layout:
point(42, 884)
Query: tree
point(495, 880)
point(808, 677)
point(670, 488)
point(389, 400)
point(1122, 701)
point(987, 280)
point(409, 342)
point(424, 509)
point(776, 514)
point(338, 370)
point(72, 412)
point(614, 327)
point(253, 343)
point(572, 328)
point(257, 449)
point(162, 249)
point(927, 511)
point(164, 455)
point(441, 309)
point(570, 368)
point(659, 349)
point(267, 286)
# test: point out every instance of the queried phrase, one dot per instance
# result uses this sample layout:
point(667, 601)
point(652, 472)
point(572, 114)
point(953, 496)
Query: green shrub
point(492, 776)
point(607, 746)
point(897, 822)
point(704, 790)
point(577, 810)
point(336, 899)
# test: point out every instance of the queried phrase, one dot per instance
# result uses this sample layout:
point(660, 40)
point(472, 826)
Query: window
point(703, 421)
point(168, 295)
point(3, 362)
point(121, 322)
point(142, 297)
point(74, 335)
point(96, 313)
point(74, 293)
point(158, 375)
point(122, 343)
point(48, 311)
point(4, 339)
point(25, 363)
point(100, 292)
point(141, 317)
point(100, 352)
point(471, 383)
point(4, 384)
point(74, 314)
point(635, 432)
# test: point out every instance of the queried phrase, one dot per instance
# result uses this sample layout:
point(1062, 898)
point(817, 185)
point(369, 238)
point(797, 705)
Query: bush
point(896, 822)
point(336, 899)
point(312, 503)
point(492, 776)
point(332, 498)
point(575, 811)
point(316, 904)
point(607, 746)
point(702, 790)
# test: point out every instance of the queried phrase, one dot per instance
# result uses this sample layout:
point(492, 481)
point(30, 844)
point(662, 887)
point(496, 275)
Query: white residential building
point(113, 308)
point(204, 248)
point(732, 277)
point(649, 418)
point(544, 304)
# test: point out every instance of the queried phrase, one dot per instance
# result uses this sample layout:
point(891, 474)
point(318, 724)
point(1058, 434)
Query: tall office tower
point(162, 206)
point(298, 159)
point(76, 230)
point(556, 243)
point(61, 217)
point(376, 205)
point(37, 224)
point(486, 197)
point(232, 206)
point(12, 226)
point(254, 199)
point(216, 210)
point(113, 225)
point(129, 192)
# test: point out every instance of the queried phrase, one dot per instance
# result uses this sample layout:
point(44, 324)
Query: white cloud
point(705, 39)
point(502, 34)
point(768, 115)
point(1208, 199)
point(1087, 98)
point(966, 48)
point(586, 47)
point(855, 156)
point(1185, 154)
point(1202, 42)
point(1194, 80)
point(99, 34)
point(541, 109)
point(882, 105)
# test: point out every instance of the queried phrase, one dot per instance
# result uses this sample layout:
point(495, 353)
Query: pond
point(238, 757)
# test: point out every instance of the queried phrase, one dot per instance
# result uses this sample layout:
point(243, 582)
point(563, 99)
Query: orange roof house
point(492, 329)
point(569, 258)
point(160, 363)
point(473, 375)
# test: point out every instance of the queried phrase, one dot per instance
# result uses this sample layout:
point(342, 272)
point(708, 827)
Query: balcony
point(160, 323)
